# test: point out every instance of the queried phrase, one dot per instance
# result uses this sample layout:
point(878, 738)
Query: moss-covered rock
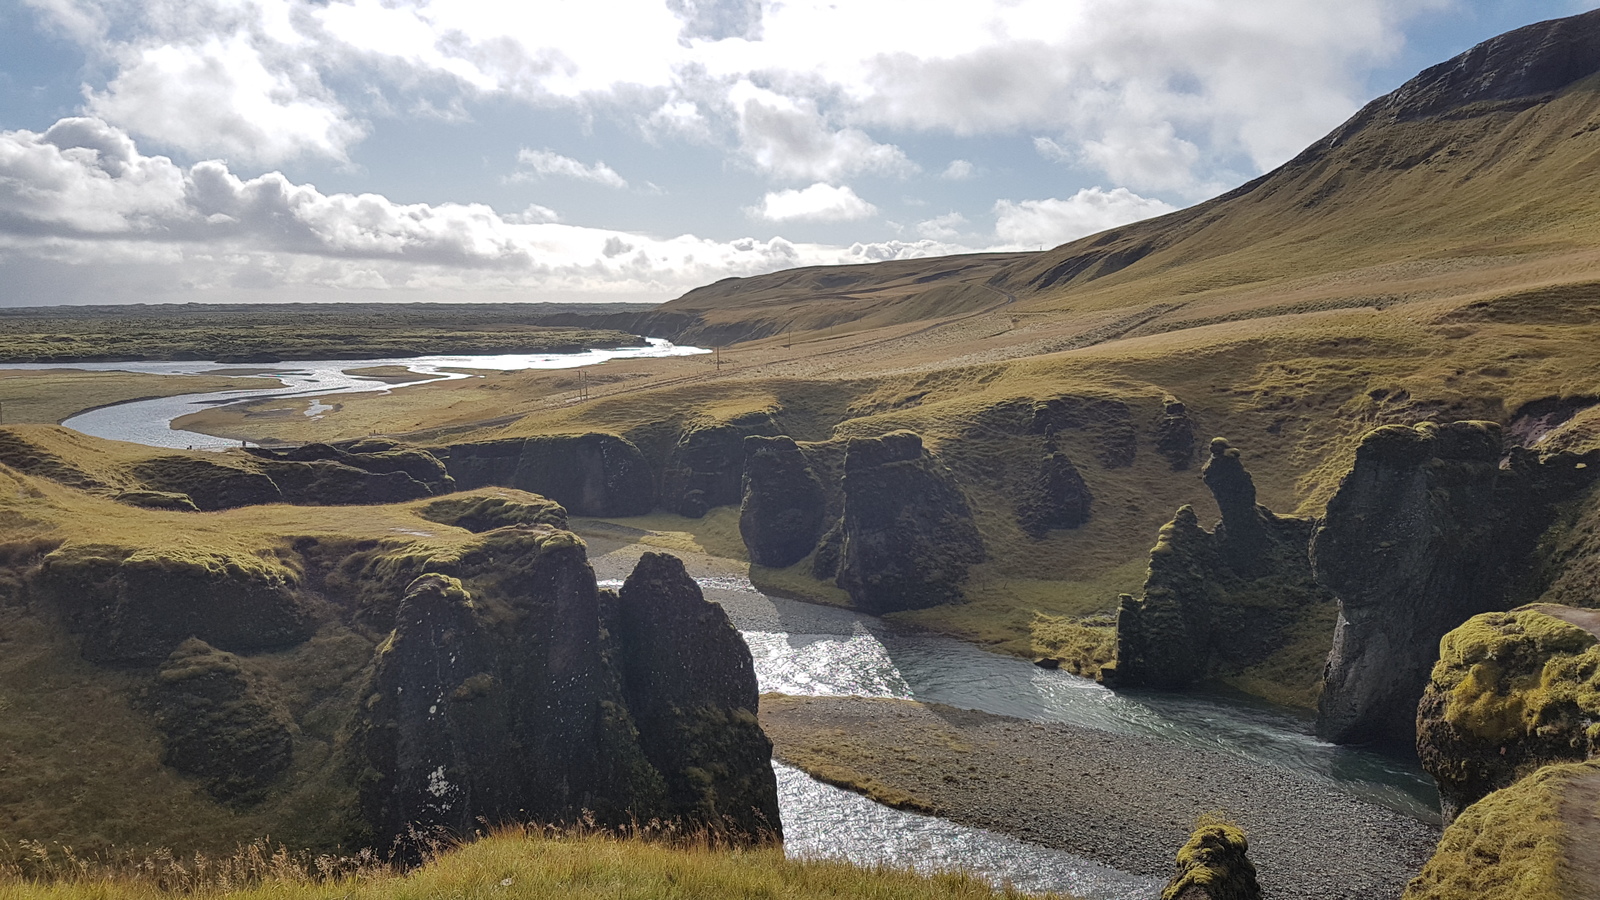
point(158, 500)
point(136, 606)
point(1175, 435)
point(592, 474)
point(330, 483)
point(511, 689)
point(1429, 528)
point(1514, 844)
point(908, 535)
point(1057, 496)
point(394, 473)
point(691, 687)
point(1216, 604)
point(1213, 865)
point(218, 724)
point(488, 511)
point(1109, 420)
point(706, 467)
point(781, 515)
point(1511, 693)
point(212, 483)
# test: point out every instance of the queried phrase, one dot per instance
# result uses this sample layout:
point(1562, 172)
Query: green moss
point(1214, 860)
point(1509, 675)
point(494, 508)
point(1510, 845)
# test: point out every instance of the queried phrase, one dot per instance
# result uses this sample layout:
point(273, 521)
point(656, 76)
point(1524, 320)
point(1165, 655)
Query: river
point(805, 649)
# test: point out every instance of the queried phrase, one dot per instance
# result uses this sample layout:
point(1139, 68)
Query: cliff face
point(1217, 603)
point(1427, 530)
point(415, 687)
point(589, 474)
point(706, 467)
point(907, 537)
point(513, 690)
point(781, 514)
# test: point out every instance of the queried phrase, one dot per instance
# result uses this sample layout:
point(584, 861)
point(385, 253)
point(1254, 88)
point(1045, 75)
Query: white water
point(150, 421)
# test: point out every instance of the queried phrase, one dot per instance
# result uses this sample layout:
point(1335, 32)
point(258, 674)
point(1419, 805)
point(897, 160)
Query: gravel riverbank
point(1128, 802)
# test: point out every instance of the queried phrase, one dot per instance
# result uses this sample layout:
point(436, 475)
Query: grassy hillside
point(514, 864)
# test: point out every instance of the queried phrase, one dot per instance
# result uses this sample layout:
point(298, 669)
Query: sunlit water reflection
point(149, 421)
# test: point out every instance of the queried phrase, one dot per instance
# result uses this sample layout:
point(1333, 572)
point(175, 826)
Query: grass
point(510, 863)
point(1511, 845)
point(45, 397)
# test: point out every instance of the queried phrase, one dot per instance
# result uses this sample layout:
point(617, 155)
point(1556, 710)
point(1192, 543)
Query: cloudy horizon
point(274, 150)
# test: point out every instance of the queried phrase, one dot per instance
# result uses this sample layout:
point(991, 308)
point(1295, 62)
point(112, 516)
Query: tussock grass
point(509, 863)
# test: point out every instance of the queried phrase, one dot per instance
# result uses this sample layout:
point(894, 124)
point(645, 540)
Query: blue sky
point(258, 150)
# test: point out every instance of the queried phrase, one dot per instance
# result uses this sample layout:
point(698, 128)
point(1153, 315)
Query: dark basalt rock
point(1175, 436)
point(1058, 497)
point(706, 467)
point(211, 485)
point(135, 607)
point(781, 516)
point(691, 687)
point(217, 724)
point(908, 534)
point(1512, 692)
point(514, 691)
point(1216, 602)
point(590, 474)
point(1214, 865)
point(480, 513)
point(1427, 530)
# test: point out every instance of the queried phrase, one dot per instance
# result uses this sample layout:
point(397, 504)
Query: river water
point(805, 649)
point(149, 421)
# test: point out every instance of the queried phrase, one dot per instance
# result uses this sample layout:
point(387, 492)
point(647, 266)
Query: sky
point(166, 151)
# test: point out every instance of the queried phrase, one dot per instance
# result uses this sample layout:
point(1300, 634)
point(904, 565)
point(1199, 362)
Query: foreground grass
point(523, 863)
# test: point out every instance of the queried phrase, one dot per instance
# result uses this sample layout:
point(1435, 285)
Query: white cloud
point(944, 228)
point(958, 170)
point(817, 203)
point(221, 97)
point(788, 137)
point(84, 212)
point(549, 162)
point(1032, 223)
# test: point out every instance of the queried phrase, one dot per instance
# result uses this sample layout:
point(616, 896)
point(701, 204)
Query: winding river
point(806, 649)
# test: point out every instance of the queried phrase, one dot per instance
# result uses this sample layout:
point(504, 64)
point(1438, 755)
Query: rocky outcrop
point(135, 607)
point(1057, 496)
point(781, 514)
point(482, 512)
point(907, 536)
point(217, 723)
point(158, 500)
point(1216, 603)
point(1175, 435)
point(330, 483)
point(212, 485)
point(382, 458)
point(1511, 693)
point(706, 467)
point(1428, 529)
point(1110, 421)
point(590, 474)
point(690, 685)
point(1214, 865)
point(514, 690)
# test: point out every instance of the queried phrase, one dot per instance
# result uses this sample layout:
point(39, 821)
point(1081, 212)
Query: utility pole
point(717, 352)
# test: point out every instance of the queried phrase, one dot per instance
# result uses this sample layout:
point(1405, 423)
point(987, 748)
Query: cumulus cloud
point(81, 205)
point(1033, 223)
point(943, 228)
point(817, 203)
point(221, 97)
point(790, 138)
point(549, 162)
